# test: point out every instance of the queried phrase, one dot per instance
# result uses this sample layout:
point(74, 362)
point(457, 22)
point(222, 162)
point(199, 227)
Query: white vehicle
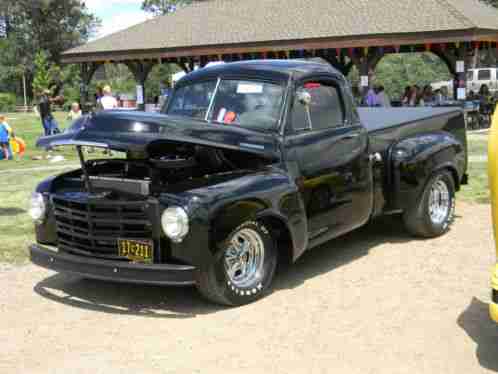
point(477, 77)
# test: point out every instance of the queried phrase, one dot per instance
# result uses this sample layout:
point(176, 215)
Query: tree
point(32, 26)
point(43, 78)
point(397, 71)
point(160, 7)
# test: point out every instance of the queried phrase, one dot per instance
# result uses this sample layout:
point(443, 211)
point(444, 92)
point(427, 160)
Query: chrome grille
point(92, 228)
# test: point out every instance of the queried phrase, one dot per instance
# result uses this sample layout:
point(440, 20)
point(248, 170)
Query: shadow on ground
point(124, 299)
point(342, 251)
point(6, 212)
point(152, 301)
point(475, 321)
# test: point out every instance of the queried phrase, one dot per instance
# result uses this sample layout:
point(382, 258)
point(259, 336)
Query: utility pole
point(24, 91)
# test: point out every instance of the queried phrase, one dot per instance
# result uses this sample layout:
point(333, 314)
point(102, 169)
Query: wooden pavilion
point(345, 33)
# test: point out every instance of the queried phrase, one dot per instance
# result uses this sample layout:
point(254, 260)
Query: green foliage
point(397, 71)
point(160, 7)
point(32, 26)
point(7, 102)
point(43, 77)
point(159, 77)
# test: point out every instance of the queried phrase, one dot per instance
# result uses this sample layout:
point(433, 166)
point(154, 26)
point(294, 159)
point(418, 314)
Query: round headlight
point(175, 223)
point(37, 207)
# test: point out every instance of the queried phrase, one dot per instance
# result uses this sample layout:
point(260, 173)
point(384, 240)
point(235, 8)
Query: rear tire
point(243, 267)
point(433, 215)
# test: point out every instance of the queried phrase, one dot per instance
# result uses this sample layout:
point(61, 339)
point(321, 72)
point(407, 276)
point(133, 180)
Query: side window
point(326, 108)
point(484, 75)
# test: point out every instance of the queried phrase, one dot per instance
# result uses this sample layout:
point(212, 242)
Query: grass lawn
point(477, 191)
point(16, 228)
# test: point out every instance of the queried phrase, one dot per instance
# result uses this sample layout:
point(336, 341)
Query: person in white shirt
point(108, 102)
point(383, 99)
point(75, 112)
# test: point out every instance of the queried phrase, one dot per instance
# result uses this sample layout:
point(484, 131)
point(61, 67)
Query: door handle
point(351, 137)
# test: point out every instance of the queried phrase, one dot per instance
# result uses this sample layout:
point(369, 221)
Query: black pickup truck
point(250, 164)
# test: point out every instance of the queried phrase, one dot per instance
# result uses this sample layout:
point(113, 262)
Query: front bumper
point(116, 271)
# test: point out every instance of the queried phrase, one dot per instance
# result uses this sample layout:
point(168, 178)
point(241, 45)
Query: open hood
point(134, 131)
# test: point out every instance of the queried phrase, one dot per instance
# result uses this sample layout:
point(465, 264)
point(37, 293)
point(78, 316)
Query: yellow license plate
point(137, 250)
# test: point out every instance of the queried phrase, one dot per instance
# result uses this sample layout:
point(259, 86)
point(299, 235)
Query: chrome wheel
point(439, 202)
point(244, 258)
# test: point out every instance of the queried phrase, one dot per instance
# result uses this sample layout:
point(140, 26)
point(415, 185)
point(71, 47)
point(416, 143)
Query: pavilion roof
point(236, 26)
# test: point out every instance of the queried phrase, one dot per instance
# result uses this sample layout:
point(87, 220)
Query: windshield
point(244, 103)
point(192, 100)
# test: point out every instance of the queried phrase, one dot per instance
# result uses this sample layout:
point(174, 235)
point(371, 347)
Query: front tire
point(243, 267)
point(433, 215)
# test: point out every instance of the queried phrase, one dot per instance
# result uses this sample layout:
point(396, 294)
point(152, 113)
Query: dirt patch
point(374, 301)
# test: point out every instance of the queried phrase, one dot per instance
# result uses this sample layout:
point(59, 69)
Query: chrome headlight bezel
point(37, 207)
point(175, 223)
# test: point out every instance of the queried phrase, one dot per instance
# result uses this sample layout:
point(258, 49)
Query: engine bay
point(165, 167)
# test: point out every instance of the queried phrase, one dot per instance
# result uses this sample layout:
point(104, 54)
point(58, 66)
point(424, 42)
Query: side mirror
point(304, 98)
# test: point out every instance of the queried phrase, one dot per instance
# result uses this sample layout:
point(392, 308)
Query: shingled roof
point(211, 24)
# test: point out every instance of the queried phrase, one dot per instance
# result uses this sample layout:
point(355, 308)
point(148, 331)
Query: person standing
point(371, 98)
point(4, 140)
point(75, 112)
point(108, 102)
point(50, 126)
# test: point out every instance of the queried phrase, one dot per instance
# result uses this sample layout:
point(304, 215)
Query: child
point(75, 112)
point(4, 138)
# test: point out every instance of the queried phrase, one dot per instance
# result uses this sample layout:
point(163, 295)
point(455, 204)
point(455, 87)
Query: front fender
point(416, 158)
point(269, 193)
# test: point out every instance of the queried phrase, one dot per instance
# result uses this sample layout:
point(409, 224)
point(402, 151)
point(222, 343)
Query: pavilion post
point(366, 65)
point(464, 53)
point(87, 71)
point(141, 71)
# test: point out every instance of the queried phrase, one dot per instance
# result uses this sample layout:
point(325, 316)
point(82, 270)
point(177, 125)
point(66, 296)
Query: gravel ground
point(375, 301)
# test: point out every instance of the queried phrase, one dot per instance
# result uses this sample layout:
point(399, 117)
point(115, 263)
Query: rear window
point(484, 75)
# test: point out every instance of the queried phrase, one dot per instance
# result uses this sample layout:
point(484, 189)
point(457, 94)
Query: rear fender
point(415, 159)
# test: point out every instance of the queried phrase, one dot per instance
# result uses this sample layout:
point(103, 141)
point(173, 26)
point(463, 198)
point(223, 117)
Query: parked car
point(251, 164)
point(477, 77)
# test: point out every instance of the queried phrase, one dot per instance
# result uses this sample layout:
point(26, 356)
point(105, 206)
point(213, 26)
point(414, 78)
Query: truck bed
point(387, 126)
point(378, 119)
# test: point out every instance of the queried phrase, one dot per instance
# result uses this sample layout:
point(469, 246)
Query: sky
point(117, 15)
